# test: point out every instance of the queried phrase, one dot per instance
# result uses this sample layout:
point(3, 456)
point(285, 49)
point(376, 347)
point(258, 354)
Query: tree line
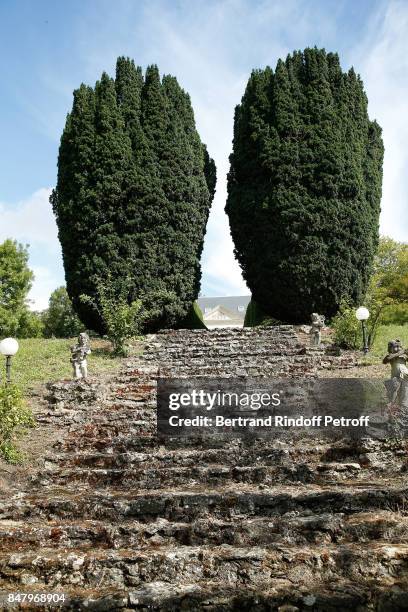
point(16, 316)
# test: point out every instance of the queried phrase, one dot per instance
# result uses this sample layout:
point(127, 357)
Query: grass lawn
point(386, 333)
point(40, 360)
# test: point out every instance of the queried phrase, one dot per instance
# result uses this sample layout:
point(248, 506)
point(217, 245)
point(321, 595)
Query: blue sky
point(48, 48)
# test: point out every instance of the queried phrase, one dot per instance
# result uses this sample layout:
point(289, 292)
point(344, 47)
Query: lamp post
point(8, 348)
point(362, 314)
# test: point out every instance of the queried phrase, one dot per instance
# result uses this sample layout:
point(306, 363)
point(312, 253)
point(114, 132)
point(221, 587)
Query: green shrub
point(269, 321)
point(122, 319)
point(347, 330)
point(15, 418)
point(255, 316)
point(11, 453)
point(194, 318)
point(160, 307)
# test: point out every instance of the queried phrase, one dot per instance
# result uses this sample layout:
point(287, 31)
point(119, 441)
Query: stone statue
point(79, 353)
point(397, 386)
point(316, 331)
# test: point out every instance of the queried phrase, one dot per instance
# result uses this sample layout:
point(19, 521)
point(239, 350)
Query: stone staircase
point(278, 351)
point(116, 520)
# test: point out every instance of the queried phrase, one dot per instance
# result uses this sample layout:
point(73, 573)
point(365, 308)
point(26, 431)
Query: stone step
point(182, 458)
point(255, 348)
point(386, 595)
point(120, 411)
point(132, 373)
point(221, 337)
point(234, 566)
point(283, 370)
point(128, 424)
point(239, 352)
point(290, 528)
point(243, 359)
point(192, 503)
point(247, 351)
point(267, 367)
point(125, 450)
point(199, 335)
point(125, 438)
point(154, 478)
point(209, 340)
point(108, 441)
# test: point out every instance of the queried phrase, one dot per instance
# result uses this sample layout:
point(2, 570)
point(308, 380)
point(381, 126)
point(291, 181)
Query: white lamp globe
point(362, 313)
point(8, 347)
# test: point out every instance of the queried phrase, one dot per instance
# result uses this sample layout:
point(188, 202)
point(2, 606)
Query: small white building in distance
point(224, 311)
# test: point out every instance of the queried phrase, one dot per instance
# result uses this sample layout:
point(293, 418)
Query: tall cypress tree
point(74, 198)
point(184, 181)
point(134, 189)
point(304, 186)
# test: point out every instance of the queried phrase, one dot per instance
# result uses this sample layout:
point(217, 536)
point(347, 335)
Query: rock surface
point(117, 520)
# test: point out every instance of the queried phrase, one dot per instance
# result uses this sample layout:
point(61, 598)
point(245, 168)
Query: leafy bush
point(391, 269)
point(269, 321)
point(122, 320)
point(163, 307)
point(15, 418)
point(194, 318)
point(347, 330)
point(387, 295)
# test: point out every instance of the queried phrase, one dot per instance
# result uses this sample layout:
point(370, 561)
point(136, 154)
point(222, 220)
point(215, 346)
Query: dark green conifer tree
point(73, 201)
point(304, 186)
point(134, 189)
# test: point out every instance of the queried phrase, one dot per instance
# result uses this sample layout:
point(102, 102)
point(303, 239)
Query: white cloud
point(44, 284)
point(221, 270)
point(32, 222)
point(382, 61)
